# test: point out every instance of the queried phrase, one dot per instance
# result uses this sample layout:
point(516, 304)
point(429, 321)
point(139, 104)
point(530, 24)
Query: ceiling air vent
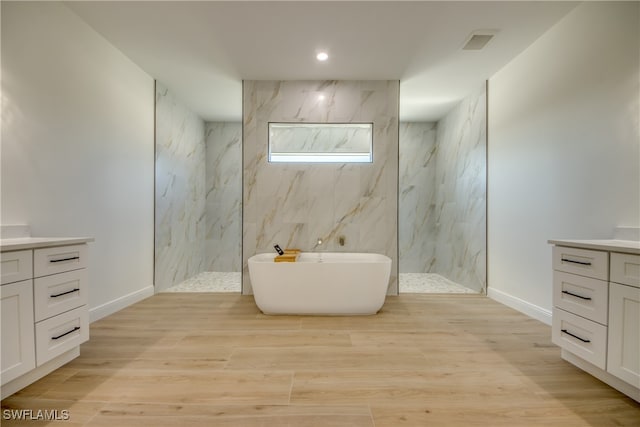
point(477, 41)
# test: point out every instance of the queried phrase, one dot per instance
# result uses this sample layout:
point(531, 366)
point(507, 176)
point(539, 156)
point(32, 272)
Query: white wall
point(564, 155)
point(77, 146)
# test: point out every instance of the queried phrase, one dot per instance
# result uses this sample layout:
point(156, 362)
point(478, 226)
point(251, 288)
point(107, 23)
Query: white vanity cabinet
point(44, 316)
point(624, 319)
point(17, 351)
point(580, 299)
point(596, 313)
point(16, 266)
point(60, 298)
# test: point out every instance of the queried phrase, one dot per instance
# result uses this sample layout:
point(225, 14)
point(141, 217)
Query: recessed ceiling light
point(322, 56)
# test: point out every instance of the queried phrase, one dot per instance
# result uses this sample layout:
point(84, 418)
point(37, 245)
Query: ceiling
point(203, 50)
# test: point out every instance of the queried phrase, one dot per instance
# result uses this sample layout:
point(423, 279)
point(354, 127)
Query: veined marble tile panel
point(417, 164)
point(295, 204)
point(180, 190)
point(223, 196)
point(442, 200)
point(318, 139)
point(461, 196)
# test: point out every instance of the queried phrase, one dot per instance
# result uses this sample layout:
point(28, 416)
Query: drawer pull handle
point(64, 259)
point(66, 333)
point(566, 332)
point(576, 295)
point(65, 293)
point(575, 262)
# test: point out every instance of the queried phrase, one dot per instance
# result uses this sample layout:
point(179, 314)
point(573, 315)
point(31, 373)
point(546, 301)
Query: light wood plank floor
point(424, 360)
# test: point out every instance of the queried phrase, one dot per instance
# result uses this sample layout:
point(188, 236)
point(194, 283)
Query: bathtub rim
point(326, 258)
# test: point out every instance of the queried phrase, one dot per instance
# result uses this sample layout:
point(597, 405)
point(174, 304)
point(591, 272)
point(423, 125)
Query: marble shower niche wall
point(295, 204)
point(224, 196)
point(461, 195)
point(417, 198)
point(442, 201)
point(180, 191)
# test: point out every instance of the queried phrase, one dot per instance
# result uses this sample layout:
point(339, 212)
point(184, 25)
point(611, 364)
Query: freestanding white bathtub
point(320, 283)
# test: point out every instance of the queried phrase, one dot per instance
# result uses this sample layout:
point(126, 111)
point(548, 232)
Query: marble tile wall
point(180, 191)
point(295, 204)
point(313, 139)
point(442, 200)
point(223, 196)
point(417, 197)
point(460, 212)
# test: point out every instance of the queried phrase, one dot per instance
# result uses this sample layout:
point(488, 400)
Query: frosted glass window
point(321, 142)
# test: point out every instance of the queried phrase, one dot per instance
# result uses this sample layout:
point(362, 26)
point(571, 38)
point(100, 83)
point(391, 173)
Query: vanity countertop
point(19, 243)
point(612, 245)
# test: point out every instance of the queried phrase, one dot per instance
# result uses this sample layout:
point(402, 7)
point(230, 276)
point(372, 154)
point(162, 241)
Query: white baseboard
point(521, 305)
point(118, 304)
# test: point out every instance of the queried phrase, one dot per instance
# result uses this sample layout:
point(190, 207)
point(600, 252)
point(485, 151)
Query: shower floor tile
point(429, 283)
point(209, 281)
point(214, 281)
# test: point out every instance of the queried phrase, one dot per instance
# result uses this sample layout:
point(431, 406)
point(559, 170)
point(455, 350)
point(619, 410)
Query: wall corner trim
point(520, 305)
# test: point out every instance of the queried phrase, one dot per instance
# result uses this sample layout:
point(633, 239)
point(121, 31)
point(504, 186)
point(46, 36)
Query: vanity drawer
point(58, 293)
point(583, 262)
point(584, 338)
point(16, 266)
point(625, 269)
point(59, 259)
point(584, 296)
point(61, 333)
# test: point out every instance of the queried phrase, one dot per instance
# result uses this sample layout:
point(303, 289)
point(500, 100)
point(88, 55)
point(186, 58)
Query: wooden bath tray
point(290, 255)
